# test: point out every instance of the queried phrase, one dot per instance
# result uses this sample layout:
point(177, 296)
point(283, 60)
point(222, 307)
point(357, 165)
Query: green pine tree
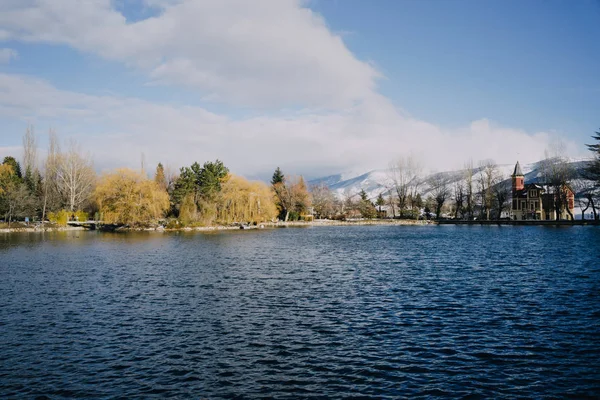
point(593, 170)
point(380, 202)
point(278, 177)
point(363, 195)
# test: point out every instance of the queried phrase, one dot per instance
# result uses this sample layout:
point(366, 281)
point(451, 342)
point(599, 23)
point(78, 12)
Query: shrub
point(173, 224)
point(60, 218)
point(81, 215)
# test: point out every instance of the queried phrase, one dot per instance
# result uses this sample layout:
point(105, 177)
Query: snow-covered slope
point(379, 181)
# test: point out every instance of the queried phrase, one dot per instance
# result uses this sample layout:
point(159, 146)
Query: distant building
point(532, 201)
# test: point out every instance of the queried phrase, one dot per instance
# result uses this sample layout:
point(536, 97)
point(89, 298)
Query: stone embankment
point(279, 224)
point(521, 222)
point(41, 229)
point(357, 222)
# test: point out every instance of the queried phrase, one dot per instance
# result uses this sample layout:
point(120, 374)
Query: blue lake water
point(381, 312)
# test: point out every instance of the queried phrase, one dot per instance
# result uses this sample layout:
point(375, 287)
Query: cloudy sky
point(313, 86)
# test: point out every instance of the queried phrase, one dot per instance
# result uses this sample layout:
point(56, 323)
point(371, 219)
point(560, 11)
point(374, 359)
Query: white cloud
point(257, 53)
point(268, 53)
point(6, 55)
point(118, 129)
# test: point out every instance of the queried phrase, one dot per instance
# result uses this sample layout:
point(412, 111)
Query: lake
point(366, 311)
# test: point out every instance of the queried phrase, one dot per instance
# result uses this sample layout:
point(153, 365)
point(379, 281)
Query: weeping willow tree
point(128, 197)
point(245, 201)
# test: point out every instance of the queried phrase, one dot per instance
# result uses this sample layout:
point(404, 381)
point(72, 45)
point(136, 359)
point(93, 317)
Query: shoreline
point(577, 222)
point(263, 225)
point(42, 229)
point(304, 224)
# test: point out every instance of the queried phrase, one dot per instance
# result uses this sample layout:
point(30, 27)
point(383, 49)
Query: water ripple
point(364, 312)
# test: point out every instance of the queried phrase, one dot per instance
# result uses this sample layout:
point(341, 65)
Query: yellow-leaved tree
point(128, 197)
point(245, 201)
point(6, 178)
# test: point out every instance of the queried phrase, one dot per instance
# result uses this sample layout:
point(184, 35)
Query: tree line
point(476, 192)
point(65, 186)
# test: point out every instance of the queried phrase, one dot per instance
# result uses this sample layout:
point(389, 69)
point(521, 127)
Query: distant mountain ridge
point(378, 181)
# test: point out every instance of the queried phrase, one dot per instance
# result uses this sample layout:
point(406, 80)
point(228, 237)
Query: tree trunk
point(593, 207)
point(583, 211)
point(570, 214)
point(44, 206)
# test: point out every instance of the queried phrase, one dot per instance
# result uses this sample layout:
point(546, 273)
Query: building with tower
point(533, 201)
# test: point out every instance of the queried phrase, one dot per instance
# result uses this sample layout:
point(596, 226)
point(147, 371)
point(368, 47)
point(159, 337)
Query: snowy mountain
point(379, 181)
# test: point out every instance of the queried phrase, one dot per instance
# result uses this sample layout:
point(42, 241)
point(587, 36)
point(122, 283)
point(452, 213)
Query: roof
point(523, 192)
point(534, 186)
point(518, 171)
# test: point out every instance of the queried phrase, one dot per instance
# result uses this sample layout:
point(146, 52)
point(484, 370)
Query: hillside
point(379, 181)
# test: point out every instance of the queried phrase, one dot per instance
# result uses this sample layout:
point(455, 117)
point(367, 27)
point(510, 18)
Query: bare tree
point(292, 196)
point(440, 190)
point(50, 195)
point(29, 151)
point(502, 192)
point(323, 200)
point(469, 191)
point(391, 201)
point(585, 194)
point(20, 202)
point(558, 174)
point(487, 179)
point(459, 199)
point(350, 203)
point(75, 176)
point(405, 174)
point(171, 175)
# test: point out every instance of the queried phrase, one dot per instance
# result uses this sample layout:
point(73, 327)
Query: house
point(538, 202)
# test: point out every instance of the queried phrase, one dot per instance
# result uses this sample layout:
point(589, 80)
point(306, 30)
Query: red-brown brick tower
point(518, 179)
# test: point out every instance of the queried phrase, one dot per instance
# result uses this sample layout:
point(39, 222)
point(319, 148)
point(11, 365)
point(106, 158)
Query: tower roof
point(518, 171)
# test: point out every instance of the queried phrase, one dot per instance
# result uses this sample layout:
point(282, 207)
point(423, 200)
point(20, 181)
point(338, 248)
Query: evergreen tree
point(380, 202)
point(31, 180)
point(418, 201)
point(593, 169)
point(201, 183)
point(184, 186)
point(210, 178)
point(278, 177)
point(282, 194)
point(365, 207)
point(363, 195)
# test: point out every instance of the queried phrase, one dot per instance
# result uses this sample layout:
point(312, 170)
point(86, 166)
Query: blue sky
point(531, 64)
point(315, 86)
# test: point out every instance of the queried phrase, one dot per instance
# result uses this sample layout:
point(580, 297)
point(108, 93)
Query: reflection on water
point(337, 311)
